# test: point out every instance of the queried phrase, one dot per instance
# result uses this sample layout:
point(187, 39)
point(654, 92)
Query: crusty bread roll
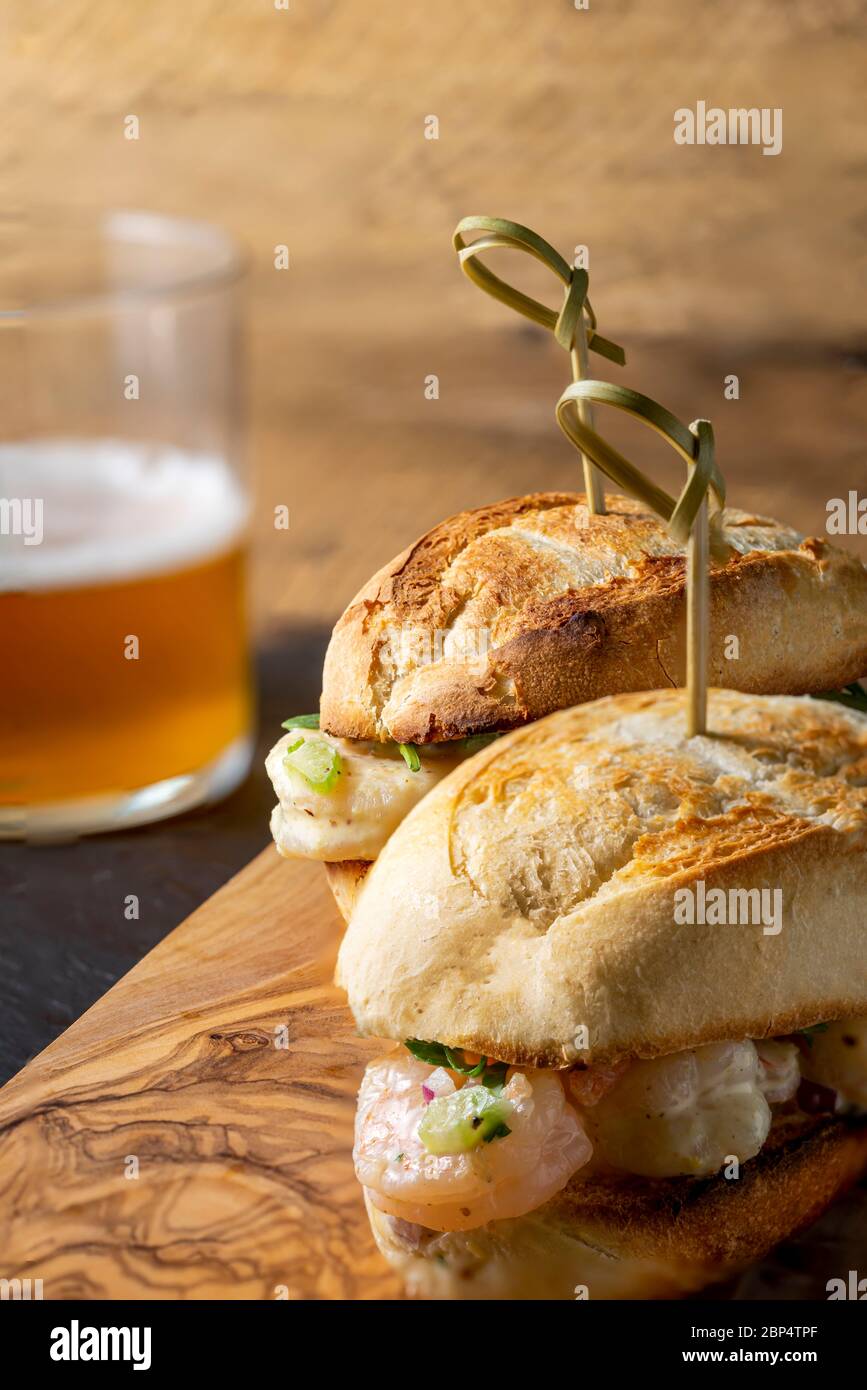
point(345, 879)
point(561, 607)
point(622, 1238)
point(525, 908)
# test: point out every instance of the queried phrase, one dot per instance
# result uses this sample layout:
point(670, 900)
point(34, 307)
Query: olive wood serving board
point(190, 1136)
point(223, 1070)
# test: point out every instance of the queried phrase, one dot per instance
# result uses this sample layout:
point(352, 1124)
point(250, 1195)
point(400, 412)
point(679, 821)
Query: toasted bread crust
point(639, 1238)
point(525, 909)
point(500, 616)
point(345, 879)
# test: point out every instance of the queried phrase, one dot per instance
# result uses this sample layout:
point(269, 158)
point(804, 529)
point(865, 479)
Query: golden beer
point(124, 637)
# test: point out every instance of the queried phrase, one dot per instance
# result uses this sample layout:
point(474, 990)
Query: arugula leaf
point(475, 742)
point(409, 753)
point(493, 1074)
point(457, 1063)
point(495, 1077)
point(431, 1052)
point(852, 696)
point(808, 1033)
point(436, 1055)
point(301, 721)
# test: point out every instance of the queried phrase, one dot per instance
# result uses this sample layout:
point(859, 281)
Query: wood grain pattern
point(245, 1177)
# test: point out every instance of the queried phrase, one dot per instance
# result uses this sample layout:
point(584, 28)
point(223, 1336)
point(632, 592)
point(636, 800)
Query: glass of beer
point(125, 693)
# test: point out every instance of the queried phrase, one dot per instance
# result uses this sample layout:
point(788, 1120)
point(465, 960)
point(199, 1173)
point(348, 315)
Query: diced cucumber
point(316, 761)
point(457, 1123)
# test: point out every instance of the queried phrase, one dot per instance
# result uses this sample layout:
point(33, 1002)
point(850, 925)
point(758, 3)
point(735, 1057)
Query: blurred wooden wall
point(306, 127)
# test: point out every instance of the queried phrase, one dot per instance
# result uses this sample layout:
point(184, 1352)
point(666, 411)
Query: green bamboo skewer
point(678, 514)
point(698, 587)
point(687, 517)
point(594, 487)
point(697, 619)
point(574, 327)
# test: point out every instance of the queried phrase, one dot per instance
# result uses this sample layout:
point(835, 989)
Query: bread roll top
point(504, 614)
point(598, 886)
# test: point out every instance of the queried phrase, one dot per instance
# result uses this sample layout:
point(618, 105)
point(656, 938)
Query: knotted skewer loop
point(573, 326)
point(499, 233)
point(704, 475)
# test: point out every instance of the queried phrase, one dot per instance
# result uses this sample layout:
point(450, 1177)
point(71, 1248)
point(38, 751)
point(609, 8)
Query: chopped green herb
point(852, 696)
point(409, 753)
point(316, 761)
point(398, 1158)
point(500, 1132)
point(301, 721)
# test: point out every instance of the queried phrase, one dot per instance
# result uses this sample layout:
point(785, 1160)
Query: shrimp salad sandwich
point(626, 978)
point(502, 615)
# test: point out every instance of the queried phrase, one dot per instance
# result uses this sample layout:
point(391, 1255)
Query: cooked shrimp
point(685, 1113)
point(587, 1085)
point(837, 1058)
point(509, 1176)
point(353, 818)
point(780, 1074)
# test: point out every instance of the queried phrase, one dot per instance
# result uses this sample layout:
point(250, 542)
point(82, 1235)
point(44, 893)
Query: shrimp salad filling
point(448, 1142)
point(341, 798)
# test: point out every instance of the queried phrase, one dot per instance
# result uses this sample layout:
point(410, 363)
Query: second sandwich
point(626, 976)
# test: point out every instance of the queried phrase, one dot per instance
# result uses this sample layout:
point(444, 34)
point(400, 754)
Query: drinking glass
point(125, 692)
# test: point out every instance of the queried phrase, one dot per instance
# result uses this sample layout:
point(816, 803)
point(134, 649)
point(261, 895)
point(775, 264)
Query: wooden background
point(306, 127)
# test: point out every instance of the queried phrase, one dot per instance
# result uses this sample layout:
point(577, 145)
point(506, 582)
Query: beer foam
point(112, 510)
